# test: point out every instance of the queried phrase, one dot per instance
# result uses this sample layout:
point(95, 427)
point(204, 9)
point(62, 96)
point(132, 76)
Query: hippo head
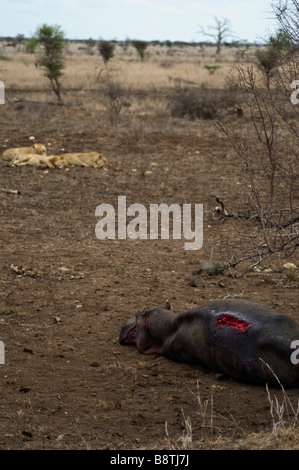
point(128, 331)
point(148, 329)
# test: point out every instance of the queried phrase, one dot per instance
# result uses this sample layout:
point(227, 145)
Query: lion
point(93, 159)
point(59, 161)
point(33, 159)
point(41, 161)
point(73, 159)
point(16, 152)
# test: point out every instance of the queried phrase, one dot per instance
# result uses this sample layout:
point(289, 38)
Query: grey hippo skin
point(239, 338)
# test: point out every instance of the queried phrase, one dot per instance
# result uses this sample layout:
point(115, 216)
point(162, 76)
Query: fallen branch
point(11, 191)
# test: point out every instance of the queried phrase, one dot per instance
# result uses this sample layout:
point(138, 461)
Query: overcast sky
point(137, 19)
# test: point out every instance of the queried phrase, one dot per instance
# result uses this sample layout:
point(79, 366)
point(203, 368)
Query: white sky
point(137, 19)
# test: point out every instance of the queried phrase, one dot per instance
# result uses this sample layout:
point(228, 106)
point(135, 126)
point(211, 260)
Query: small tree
point(20, 39)
point(106, 49)
point(31, 45)
point(268, 59)
point(281, 41)
point(287, 13)
point(140, 47)
point(53, 42)
point(11, 42)
point(222, 31)
point(211, 68)
point(90, 43)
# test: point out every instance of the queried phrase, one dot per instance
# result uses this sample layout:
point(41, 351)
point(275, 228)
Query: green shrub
point(106, 49)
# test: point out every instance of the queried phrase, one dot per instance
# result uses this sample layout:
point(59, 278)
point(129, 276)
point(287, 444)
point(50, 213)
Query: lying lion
point(93, 159)
point(59, 161)
point(41, 161)
point(32, 159)
point(15, 153)
point(26, 156)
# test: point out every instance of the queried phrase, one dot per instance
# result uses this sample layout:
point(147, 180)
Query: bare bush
point(268, 59)
point(287, 14)
point(115, 98)
point(201, 102)
point(268, 149)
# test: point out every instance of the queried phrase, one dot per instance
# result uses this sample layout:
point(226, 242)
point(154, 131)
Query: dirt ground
point(66, 382)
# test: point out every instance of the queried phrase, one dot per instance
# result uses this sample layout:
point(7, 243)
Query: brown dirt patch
point(66, 382)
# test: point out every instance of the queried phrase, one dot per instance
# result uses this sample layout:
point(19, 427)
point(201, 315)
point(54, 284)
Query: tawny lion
point(41, 161)
point(32, 159)
point(15, 153)
point(93, 159)
point(59, 161)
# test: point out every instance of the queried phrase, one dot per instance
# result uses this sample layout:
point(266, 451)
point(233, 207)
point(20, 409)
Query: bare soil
point(66, 382)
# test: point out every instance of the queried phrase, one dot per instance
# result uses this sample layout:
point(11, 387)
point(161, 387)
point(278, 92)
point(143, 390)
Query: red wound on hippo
point(226, 319)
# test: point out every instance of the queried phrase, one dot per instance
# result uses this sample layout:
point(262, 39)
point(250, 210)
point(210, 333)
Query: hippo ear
point(167, 305)
point(144, 311)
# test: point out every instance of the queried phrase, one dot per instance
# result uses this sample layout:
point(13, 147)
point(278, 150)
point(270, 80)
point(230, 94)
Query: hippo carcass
point(248, 341)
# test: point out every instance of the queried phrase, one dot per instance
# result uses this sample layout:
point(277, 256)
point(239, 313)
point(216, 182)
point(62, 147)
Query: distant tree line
point(21, 39)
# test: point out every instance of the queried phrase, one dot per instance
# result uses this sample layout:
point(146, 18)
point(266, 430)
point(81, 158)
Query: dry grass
point(163, 68)
point(283, 435)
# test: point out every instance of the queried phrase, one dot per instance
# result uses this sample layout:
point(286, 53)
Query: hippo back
point(246, 340)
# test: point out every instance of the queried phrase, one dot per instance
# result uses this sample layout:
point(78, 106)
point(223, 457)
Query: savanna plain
point(66, 382)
